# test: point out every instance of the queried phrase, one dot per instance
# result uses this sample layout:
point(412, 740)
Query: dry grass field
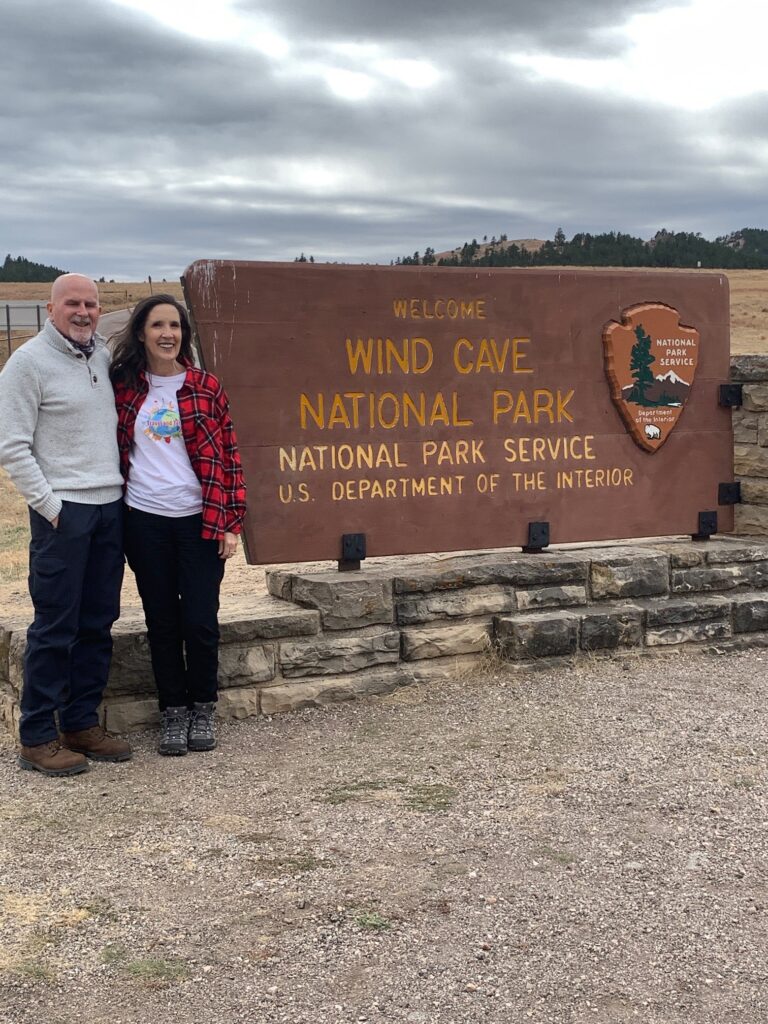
point(749, 311)
point(118, 295)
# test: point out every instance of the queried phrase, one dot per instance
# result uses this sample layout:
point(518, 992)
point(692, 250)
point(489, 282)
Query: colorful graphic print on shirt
point(163, 422)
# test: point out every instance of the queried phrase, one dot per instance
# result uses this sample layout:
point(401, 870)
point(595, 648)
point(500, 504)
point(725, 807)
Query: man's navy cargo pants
point(75, 575)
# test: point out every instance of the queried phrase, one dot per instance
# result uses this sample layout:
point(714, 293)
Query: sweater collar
point(63, 344)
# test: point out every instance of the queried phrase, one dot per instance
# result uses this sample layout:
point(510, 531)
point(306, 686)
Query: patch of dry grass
point(14, 531)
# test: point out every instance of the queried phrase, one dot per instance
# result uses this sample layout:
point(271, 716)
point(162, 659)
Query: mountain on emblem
point(650, 362)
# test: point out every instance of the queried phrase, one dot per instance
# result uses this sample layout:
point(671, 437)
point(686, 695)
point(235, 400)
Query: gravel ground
point(566, 844)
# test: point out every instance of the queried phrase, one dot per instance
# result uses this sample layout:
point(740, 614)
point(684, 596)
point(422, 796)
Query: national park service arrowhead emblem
point(650, 362)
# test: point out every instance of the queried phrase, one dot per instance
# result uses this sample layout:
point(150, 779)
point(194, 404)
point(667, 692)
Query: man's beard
point(81, 334)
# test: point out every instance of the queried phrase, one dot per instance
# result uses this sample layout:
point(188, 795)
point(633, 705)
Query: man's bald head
point(74, 307)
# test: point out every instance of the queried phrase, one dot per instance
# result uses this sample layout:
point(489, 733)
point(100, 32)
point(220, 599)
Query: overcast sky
point(139, 135)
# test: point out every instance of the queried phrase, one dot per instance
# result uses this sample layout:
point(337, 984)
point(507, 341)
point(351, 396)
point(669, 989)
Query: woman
point(184, 507)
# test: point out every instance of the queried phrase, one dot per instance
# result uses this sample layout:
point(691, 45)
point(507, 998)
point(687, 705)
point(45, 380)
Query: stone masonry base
point(330, 636)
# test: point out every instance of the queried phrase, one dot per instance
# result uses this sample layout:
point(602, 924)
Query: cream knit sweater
point(58, 424)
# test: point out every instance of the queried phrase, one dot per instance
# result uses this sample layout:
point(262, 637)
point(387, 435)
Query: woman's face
point(161, 338)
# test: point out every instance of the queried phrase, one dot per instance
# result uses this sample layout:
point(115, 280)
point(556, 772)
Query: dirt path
point(565, 846)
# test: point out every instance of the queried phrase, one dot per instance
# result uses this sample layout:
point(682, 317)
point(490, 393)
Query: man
point(58, 442)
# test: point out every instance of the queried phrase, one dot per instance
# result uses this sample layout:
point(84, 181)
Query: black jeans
point(179, 577)
point(75, 574)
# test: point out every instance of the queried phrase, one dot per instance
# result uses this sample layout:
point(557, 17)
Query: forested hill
point(19, 269)
point(745, 249)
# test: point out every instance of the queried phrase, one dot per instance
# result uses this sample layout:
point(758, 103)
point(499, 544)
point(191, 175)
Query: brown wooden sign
point(444, 409)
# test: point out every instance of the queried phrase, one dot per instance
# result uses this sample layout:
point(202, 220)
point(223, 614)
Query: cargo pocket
point(49, 586)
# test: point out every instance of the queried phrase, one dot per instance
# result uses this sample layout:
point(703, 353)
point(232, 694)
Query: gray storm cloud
point(132, 148)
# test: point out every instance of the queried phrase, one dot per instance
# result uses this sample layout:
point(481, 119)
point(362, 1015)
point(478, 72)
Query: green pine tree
point(641, 361)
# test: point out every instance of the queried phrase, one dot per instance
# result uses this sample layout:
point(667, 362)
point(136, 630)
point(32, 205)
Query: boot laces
point(201, 720)
point(175, 727)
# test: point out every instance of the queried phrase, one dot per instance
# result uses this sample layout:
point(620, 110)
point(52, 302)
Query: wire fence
point(20, 320)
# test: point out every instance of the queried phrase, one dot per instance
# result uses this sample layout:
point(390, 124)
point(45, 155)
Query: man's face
point(74, 307)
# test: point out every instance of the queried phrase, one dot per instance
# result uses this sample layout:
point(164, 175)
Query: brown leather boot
point(98, 744)
point(52, 759)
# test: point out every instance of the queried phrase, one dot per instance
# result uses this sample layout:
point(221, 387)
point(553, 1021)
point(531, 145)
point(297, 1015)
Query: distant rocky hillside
point(531, 244)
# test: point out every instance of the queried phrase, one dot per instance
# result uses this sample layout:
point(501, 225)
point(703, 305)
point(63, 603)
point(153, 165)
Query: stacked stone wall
point(324, 637)
point(750, 437)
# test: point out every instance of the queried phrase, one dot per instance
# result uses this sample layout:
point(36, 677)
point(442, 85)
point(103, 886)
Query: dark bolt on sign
point(446, 409)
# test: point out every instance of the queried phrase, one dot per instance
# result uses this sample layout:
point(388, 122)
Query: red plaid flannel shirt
point(210, 441)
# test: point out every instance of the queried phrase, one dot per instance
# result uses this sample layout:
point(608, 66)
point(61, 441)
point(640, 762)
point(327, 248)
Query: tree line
point(745, 249)
point(21, 269)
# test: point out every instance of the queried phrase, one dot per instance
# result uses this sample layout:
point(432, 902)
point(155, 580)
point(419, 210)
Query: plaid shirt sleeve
point(210, 440)
point(128, 402)
point(232, 470)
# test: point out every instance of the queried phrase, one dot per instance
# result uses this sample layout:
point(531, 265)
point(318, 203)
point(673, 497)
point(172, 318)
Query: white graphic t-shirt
point(161, 478)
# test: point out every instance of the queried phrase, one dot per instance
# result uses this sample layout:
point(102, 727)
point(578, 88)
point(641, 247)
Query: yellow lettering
point(484, 361)
point(502, 403)
point(546, 406)
point(419, 412)
point(306, 460)
point(517, 355)
point(522, 412)
point(356, 408)
point(438, 309)
point(461, 367)
point(395, 415)
point(530, 481)
point(594, 478)
point(361, 352)
point(412, 355)
point(439, 412)
point(457, 420)
point(428, 355)
point(562, 413)
point(542, 404)
point(338, 414)
point(393, 353)
point(305, 407)
point(455, 453)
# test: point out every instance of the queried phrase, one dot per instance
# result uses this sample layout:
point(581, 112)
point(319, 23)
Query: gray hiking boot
point(202, 726)
point(173, 738)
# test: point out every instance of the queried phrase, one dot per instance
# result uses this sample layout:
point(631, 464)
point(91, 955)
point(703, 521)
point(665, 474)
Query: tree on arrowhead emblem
point(641, 361)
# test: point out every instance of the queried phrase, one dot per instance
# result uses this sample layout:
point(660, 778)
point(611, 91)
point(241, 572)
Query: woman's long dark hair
point(129, 356)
